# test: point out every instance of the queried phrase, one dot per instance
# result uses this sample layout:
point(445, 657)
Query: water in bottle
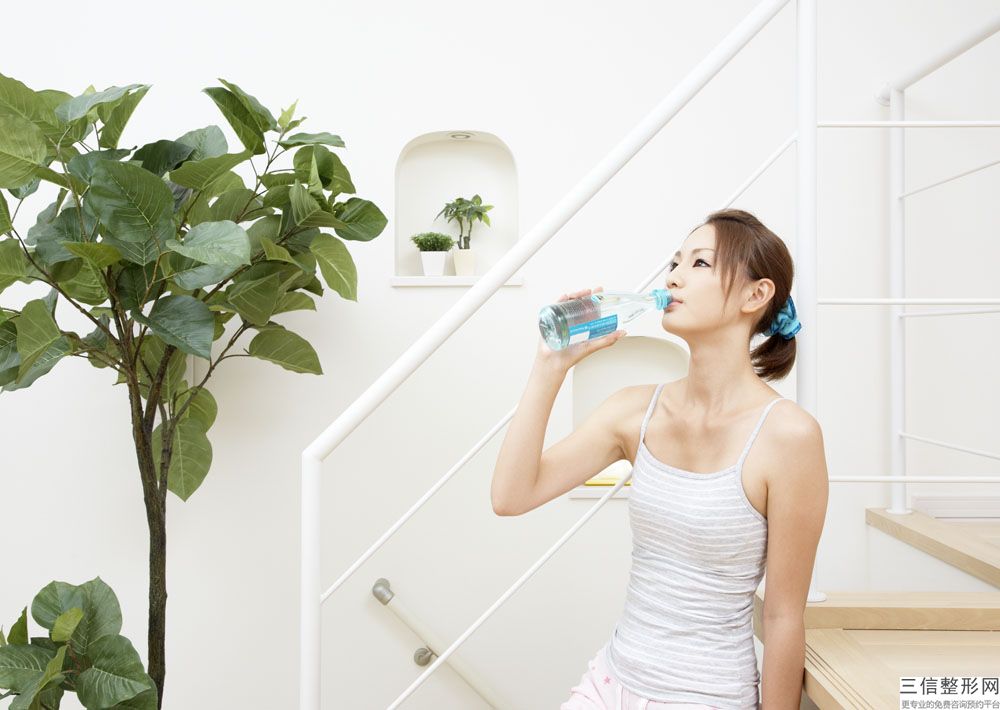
point(568, 322)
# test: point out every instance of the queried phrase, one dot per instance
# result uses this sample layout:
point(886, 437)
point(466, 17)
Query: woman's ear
point(760, 293)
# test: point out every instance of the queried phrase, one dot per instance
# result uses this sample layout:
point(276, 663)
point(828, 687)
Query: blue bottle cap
point(663, 297)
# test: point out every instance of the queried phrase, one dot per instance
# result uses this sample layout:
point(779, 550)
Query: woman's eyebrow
point(677, 253)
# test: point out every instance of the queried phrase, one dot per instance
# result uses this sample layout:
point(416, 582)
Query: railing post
point(807, 129)
point(897, 289)
point(310, 630)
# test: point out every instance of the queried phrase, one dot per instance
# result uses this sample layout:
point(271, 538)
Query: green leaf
point(115, 116)
point(116, 675)
point(294, 301)
point(36, 332)
point(86, 286)
point(67, 228)
point(19, 631)
point(363, 220)
point(312, 139)
point(182, 321)
point(255, 300)
point(12, 263)
point(22, 150)
point(308, 211)
point(190, 458)
point(51, 676)
point(336, 264)
point(16, 99)
point(208, 142)
point(82, 166)
point(162, 155)
point(134, 285)
point(98, 254)
point(286, 116)
point(22, 665)
point(200, 174)
point(152, 351)
point(276, 252)
point(202, 408)
point(244, 123)
point(5, 219)
point(265, 121)
point(223, 243)
point(102, 614)
point(333, 174)
point(238, 205)
point(79, 106)
point(135, 207)
point(66, 624)
point(285, 348)
point(189, 274)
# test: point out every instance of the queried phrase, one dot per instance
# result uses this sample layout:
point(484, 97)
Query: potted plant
point(465, 212)
point(169, 254)
point(433, 248)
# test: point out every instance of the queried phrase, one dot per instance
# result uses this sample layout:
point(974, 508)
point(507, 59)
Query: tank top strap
point(649, 411)
point(753, 435)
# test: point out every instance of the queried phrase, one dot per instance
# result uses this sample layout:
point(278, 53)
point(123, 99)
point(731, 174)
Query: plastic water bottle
point(568, 322)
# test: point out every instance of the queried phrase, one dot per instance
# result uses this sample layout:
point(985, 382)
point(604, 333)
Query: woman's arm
point(797, 494)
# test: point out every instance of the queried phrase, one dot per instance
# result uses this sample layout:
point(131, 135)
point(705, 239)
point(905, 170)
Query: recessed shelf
point(515, 280)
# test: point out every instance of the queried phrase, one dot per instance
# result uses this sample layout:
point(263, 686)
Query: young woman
point(729, 478)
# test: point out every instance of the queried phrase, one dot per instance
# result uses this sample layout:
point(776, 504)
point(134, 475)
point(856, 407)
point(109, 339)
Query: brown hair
point(744, 246)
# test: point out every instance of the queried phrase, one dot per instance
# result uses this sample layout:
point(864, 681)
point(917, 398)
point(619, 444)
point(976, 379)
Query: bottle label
point(593, 329)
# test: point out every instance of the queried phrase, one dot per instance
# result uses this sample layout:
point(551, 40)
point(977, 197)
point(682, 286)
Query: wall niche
point(434, 169)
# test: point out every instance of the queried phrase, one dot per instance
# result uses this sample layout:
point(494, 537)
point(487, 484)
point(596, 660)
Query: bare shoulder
point(793, 423)
point(633, 401)
point(794, 443)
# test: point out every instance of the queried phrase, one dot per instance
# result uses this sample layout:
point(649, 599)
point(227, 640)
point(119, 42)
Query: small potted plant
point(465, 212)
point(433, 248)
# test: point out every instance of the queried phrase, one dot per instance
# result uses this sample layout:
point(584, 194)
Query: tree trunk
point(156, 509)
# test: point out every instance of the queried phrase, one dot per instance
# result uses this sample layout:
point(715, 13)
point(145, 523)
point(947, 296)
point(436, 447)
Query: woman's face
point(695, 283)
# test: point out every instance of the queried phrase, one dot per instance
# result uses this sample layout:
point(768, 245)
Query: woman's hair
point(746, 248)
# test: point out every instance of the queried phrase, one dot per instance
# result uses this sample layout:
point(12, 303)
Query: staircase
point(859, 644)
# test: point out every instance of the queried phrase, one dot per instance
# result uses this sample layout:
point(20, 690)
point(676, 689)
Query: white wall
point(560, 83)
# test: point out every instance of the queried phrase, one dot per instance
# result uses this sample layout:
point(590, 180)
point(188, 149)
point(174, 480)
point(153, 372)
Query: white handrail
point(954, 177)
point(640, 287)
point(977, 452)
point(910, 124)
point(909, 301)
point(312, 457)
point(768, 162)
point(971, 311)
point(936, 61)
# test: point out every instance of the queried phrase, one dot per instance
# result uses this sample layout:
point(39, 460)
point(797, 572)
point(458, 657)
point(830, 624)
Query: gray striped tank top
point(698, 554)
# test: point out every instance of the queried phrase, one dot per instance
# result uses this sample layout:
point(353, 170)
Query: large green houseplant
point(169, 253)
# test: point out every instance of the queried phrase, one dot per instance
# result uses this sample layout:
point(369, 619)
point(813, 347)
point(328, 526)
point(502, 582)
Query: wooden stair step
point(957, 543)
point(940, 611)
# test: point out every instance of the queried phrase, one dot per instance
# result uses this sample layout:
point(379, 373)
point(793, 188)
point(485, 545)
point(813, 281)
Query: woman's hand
point(563, 360)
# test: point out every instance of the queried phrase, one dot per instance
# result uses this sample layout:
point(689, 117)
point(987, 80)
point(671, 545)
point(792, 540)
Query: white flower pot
point(465, 262)
point(433, 262)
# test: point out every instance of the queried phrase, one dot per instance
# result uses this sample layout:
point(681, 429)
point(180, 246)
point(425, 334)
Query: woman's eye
point(673, 264)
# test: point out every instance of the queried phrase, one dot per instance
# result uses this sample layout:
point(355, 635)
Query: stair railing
point(311, 598)
point(489, 283)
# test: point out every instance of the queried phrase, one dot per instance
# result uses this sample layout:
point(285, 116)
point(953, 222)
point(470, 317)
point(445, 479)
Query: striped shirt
point(698, 554)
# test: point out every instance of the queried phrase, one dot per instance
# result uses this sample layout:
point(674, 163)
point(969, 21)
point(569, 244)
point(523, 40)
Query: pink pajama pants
point(598, 689)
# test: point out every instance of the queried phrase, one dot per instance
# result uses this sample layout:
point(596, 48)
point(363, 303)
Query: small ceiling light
point(461, 136)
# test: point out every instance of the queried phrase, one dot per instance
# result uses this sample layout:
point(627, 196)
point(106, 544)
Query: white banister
point(312, 457)
point(936, 61)
point(768, 162)
point(910, 124)
point(897, 290)
point(977, 452)
point(953, 177)
point(961, 312)
point(909, 301)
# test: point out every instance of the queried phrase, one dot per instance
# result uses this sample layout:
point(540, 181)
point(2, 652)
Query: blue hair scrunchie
point(785, 322)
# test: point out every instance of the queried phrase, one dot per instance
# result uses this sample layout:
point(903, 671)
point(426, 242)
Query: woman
point(704, 528)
